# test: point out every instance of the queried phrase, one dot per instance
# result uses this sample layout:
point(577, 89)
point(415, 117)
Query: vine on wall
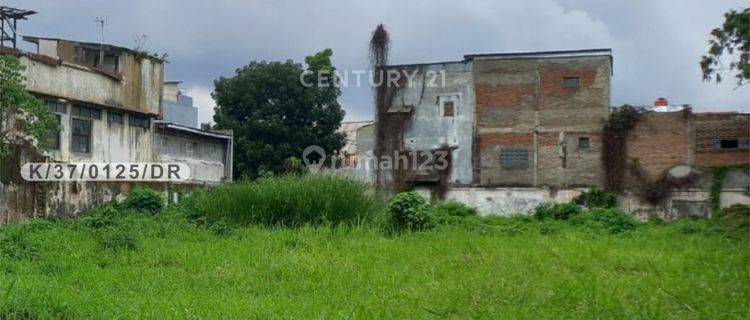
point(614, 148)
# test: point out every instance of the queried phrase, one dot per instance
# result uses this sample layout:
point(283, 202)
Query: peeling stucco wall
point(139, 89)
point(206, 157)
point(428, 128)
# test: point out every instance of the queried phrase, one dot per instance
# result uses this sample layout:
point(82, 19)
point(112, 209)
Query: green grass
point(162, 266)
point(292, 201)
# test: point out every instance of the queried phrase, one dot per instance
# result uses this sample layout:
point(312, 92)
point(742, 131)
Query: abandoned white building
point(108, 101)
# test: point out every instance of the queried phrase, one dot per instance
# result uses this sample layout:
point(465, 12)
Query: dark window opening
point(55, 107)
point(52, 140)
point(81, 139)
point(571, 82)
point(139, 121)
point(91, 57)
point(584, 143)
point(86, 112)
point(514, 158)
point(115, 117)
point(448, 109)
point(732, 144)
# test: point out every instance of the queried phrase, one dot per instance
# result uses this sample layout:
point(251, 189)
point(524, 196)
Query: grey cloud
point(656, 44)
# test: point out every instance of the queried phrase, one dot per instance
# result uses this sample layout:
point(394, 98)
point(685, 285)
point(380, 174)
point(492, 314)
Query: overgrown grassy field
point(164, 267)
point(188, 262)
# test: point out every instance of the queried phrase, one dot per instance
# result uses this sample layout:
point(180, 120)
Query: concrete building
point(526, 128)
point(107, 100)
point(178, 107)
point(510, 119)
point(207, 153)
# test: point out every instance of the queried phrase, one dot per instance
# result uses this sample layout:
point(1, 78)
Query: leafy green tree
point(733, 37)
point(277, 109)
point(21, 114)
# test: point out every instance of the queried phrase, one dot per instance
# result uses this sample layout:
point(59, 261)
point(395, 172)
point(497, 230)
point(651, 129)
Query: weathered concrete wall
point(429, 128)
point(110, 142)
point(205, 156)
point(138, 90)
point(504, 201)
point(510, 201)
point(522, 105)
point(710, 129)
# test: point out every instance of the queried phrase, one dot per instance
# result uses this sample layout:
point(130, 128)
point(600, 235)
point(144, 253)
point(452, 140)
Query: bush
point(735, 221)
point(557, 211)
point(294, 166)
point(289, 201)
point(597, 198)
point(410, 211)
point(103, 217)
point(454, 208)
point(144, 199)
point(612, 220)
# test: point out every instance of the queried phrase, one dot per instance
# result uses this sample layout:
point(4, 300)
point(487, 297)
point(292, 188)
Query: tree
point(277, 109)
point(22, 116)
point(733, 36)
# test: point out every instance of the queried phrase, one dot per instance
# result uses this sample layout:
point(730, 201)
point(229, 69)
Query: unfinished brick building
point(511, 119)
point(526, 128)
point(539, 117)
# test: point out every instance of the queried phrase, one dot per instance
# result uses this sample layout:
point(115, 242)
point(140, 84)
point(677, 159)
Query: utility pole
point(101, 22)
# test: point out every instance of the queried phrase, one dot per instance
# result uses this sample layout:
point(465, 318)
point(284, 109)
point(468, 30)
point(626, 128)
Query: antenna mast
point(101, 22)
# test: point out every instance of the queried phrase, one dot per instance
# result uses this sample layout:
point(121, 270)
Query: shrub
point(735, 221)
point(613, 220)
point(294, 166)
point(289, 201)
point(454, 208)
point(557, 211)
point(145, 200)
point(103, 217)
point(597, 198)
point(410, 211)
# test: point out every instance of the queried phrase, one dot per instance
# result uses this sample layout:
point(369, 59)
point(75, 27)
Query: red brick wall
point(500, 96)
point(507, 139)
point(660, 141)
point(712, 127)
point(551, 82)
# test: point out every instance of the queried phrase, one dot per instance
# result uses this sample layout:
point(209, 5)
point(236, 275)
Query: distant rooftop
point(93, 45)
point(522, 55)
point(541, 54)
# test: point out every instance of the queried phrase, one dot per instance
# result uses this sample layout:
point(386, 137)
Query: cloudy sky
point(657, 43)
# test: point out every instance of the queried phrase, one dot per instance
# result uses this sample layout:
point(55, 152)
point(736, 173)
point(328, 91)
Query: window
point(55, 107)
point(139, 121)
point(448, 109)
point(571, 82)
point(81, 141)
point(52, 140)
point(514, 158)
point(732, 144)
point(583, 143)
point(115, 117)
point(86, 112)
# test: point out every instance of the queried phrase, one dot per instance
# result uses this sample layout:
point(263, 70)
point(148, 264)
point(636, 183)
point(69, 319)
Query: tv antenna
point(101, 22)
